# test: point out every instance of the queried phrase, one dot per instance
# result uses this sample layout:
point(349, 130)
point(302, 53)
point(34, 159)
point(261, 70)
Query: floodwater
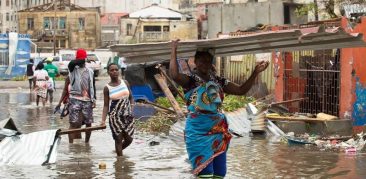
point(248, 157)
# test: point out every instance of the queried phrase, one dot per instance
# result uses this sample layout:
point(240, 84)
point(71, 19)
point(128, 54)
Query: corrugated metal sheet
point(239, 68)
point(8, 124)
point(155, 11)
point(287, 40)
point(238, 121)
point(29, 149)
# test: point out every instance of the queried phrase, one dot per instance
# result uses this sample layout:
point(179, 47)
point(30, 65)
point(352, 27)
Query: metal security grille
point(315, 75)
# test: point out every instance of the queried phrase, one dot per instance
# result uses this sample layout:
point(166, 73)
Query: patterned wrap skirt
point(120, 118)
point(41, 89)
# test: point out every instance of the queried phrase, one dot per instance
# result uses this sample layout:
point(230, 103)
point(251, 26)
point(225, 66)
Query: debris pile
point(348, 144)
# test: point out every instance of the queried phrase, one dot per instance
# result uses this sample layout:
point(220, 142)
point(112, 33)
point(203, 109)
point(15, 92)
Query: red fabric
point(80, 54)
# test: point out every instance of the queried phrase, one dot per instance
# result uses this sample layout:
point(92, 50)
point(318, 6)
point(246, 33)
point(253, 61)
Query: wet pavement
point(248, 157)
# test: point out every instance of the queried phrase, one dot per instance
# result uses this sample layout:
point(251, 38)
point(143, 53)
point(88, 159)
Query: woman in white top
point(40, 78)
point(117, 100)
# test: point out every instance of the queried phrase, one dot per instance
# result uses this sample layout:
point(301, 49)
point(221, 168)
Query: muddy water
point(248, 157)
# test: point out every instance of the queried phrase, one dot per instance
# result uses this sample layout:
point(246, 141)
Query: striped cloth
point(118, 92)
point(120, 111)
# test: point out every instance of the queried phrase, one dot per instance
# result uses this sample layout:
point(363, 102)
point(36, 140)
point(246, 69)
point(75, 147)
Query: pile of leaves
point(159, 123)
point(19, 78)
point(232, 102)
point(163, 101)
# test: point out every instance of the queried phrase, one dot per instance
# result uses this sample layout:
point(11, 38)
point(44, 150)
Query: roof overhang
point(264, 42)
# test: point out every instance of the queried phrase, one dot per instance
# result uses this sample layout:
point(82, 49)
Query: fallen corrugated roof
point(60, 6)
point(155, 11)
point(238, 121)
point(287, 40)
point(34, 148)
point(8, 124)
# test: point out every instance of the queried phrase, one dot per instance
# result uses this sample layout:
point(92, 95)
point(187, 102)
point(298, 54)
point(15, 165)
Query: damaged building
point(66, 24)
point(249, 15)
point(156, 24)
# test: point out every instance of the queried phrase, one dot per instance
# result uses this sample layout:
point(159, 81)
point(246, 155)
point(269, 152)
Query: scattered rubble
point(348, 144)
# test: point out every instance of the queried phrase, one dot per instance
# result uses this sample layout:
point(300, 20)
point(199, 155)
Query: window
point(286, 14)
point(152, 28)
point(81, 23)
point(30, 23)
point(129, 29)
point(166, 28)
point(7, 3)
point(52, 23)
point(67, 57)
point(46, 23)
point(62, 23)
point(7, 16)
point(62, 43)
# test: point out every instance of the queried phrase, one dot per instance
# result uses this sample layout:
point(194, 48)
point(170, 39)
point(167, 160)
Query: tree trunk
point(316, 10)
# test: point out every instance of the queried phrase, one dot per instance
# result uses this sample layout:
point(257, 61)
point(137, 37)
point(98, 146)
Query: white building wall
point(11, 24)
point(126, 6)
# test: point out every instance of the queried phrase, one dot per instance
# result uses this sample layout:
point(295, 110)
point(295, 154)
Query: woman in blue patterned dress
point(206, 133)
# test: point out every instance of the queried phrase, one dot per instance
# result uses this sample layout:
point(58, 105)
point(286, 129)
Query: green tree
point(328, 7)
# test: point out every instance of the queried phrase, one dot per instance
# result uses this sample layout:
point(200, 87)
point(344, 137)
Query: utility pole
point(316, 10)
point(54, 28)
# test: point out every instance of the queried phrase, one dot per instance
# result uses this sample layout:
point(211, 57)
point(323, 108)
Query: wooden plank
point(86, 129)
point(159, 78)
point(304, 119)
point(288, 101)
point(171, 82)
point(158, 106)
point(326, 116)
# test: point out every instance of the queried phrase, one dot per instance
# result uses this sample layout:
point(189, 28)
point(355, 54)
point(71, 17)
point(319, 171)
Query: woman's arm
point(181, 79)
point(105, 106)
point(34, 81)
point(235, 89)
point(64, 91)
point(131, 96)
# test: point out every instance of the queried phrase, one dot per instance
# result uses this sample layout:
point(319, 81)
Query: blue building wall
point(22, 47)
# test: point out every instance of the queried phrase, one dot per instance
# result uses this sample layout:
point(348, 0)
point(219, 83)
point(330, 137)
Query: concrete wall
point(124, 37)
point(89, 38)
point(178, 29)
point(129, 6)
point(184, 30)
point(353, 78)
point(352, 103)
point(232, 17)
point(11, 25)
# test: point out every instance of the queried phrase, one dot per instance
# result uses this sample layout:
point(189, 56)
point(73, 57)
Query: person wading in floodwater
point(30, 73)
point(207, 136)
point(40, 79)
point(118, 101)
point(81, 95)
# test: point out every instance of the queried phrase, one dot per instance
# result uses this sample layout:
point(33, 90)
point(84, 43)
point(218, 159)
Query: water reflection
point(248, 157)
point(123, 167)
